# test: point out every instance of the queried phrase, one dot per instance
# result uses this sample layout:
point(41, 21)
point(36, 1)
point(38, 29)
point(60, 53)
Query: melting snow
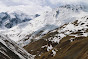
point(54, 52)
point(49, 48)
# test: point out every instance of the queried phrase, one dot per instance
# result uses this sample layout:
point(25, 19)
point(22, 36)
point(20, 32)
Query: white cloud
point(27, 6)
point(33, 6)
point(39, 2)
point(67, 1)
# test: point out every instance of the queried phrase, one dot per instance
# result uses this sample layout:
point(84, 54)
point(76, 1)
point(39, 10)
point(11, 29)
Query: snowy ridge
point(81, 26)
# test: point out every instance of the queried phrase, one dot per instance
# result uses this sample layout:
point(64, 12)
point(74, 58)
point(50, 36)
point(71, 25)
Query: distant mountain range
point(9, 20)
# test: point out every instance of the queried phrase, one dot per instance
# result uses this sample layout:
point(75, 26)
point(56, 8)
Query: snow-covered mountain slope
point(46, 22)
point(10, 50)
point(63, 42)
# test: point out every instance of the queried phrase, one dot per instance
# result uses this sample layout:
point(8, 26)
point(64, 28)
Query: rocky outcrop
point(10, 50)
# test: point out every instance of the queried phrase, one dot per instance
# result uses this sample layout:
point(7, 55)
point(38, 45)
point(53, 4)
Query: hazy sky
point(33, 6)
point(38, 2)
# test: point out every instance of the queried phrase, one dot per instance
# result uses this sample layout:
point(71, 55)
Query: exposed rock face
point(8, 20)
point(10, 50)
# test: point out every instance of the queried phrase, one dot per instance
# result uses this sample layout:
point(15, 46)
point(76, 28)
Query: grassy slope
point(77, 49)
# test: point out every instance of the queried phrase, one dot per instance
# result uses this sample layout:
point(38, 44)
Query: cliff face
point(7, 54)
point(10, 50)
